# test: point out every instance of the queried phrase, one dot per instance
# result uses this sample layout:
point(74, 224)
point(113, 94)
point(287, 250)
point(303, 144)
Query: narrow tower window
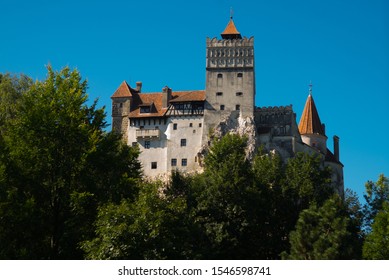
point(219, 80)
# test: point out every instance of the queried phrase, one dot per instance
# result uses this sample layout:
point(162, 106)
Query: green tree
point(268, 172)
point(226, 200)
point(307, 180)
point(155, 226)
point(320, 232)
point(11, 90)
point(376, 245)
point(376, 194)
point(58, 159)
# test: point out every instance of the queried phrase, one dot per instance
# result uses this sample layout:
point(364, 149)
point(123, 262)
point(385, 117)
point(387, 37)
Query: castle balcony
point(147, 133)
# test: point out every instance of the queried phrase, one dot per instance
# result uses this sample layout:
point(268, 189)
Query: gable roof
point(310, 122)
point(124, 90)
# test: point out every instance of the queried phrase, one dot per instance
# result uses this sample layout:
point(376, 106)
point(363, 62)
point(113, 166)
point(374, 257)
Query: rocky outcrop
point(234, 123)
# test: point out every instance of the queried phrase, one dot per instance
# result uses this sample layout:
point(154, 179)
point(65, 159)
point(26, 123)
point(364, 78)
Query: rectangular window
point(200, 124)
point(237, 107)
point(184, 162)
point(144, 110)
point(191, 125)
point(219, 93)
point(174, 126)
point(221, 107)
point(147, 144)
point(183, 142)
point(174, 162)
point(239, 93)
point(154, 165)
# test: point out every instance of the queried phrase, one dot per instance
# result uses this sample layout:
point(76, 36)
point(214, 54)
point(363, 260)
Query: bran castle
point(174, 129)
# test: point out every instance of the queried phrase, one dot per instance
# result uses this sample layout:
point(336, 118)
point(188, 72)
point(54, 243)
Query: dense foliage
point(71, 190)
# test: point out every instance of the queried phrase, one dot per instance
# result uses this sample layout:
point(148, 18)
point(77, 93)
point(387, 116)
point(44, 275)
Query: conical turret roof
point(310, 122)
point(231, 32)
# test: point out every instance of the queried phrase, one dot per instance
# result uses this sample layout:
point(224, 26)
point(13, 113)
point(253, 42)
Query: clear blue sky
point(341, 45)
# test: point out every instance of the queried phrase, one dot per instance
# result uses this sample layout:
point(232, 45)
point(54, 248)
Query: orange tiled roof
point(155, 101)
point(147, 98)
point(310, 122)
point(124, 90)
point(185, 96)
point(230, 29)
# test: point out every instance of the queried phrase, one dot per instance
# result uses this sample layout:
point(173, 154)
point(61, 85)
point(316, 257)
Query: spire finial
point(231, 13)
point(310, 87)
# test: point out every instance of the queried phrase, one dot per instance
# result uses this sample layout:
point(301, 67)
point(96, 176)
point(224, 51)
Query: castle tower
point(121, 105)
point(230, 79)
point(311, 129)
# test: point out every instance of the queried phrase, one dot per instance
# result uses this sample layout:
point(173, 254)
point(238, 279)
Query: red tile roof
point(186, 96)
point(230, 29)
point(124, 90)
point(145, 99)
point(310, 122)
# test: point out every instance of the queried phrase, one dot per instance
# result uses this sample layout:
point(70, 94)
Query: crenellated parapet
point(275, 109)
point(227, 53)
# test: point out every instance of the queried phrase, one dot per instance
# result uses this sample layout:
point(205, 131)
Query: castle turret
point(310, 127)
point(121, 104)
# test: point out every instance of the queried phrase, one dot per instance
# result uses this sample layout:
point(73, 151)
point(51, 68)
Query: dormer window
point(145, 108)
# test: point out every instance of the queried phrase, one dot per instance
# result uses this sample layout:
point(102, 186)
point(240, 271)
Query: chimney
point(336, 147)
point(138, 86)
point(166, 96)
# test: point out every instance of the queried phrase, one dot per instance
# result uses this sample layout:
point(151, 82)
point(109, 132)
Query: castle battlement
point(275, 109)
point(245, 42)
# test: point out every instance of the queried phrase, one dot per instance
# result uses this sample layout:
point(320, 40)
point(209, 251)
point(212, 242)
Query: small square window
point(221, 107)
point(147, 144)
point(240, 75)
point(184, 162)
point(174, 126)
point(237, 107)
point(183, 142)
point(174, 162)
point(191, 125)
point(154, 165)
point(200, 124)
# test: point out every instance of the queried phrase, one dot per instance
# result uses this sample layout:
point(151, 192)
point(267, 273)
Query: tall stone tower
point(230, 76)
